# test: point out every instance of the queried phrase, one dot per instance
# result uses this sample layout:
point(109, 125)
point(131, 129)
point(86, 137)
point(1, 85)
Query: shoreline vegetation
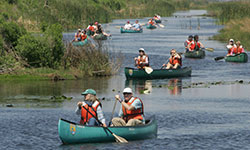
point(31, 45)
point(235, 15)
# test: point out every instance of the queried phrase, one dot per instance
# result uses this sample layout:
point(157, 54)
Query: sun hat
point(79, 30)
point(141, 49)
point(89, 91)
point(127, 90)
point(231, 40)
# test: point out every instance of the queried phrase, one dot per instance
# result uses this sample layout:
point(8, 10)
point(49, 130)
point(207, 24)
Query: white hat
point(127, 90)
point(141, 49)
point(231, 40)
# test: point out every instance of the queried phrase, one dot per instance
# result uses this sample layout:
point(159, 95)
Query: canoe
point(242, 58)
point(157, 21)
point(132, 73)
point(71, 133)
point(195, 54)
point(150, 26)
point(100, 37)
point(130, 31)
point(89, 32)
point(80, 43)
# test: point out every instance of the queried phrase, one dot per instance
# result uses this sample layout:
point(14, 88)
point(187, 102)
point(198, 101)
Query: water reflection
point(175, 86)
point(140, 86)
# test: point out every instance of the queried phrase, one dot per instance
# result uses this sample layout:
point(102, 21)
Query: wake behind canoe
point(132, 73)
point(70, 132)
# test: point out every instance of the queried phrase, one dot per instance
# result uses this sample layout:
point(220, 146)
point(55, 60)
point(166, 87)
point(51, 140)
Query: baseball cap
point(89, 91)
point(127, 90)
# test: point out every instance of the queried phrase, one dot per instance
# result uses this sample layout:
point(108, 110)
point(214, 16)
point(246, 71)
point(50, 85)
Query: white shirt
point(127, 26)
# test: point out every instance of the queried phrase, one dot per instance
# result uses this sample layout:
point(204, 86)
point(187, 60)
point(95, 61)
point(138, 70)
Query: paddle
point(209, 49)
point(219, 58)
point(113, 111)
point(148, 70)
point(118, 138)
point(160, 25)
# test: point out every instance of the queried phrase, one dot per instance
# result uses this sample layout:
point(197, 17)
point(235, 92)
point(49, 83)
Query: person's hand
point(79, 104)
point(135, 58)
point(163, 65)
point(104, 125)
point(117, 97)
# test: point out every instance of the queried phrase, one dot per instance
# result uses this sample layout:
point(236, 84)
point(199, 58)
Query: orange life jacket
point(91, 28)
point(83, 37)
point(133, 114)
point(174, 60)
point(141, 60)
point(237, 50)
point(85, 116)
point(194, 44)
point(77, 35)
point(151, 22)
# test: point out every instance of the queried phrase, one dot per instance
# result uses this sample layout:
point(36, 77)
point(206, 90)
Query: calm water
point(202, 117)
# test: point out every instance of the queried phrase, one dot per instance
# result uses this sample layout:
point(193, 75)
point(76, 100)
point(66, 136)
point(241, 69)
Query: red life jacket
point(175, 60)
point(187, 42)
point(133, 114)
point(237, 50)
point(83, 37)
point(91, 28)
point(194, 44)
point(141, 60)
point(85, 116)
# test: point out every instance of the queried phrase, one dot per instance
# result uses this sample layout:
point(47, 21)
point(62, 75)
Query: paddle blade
point(219, 58)
point(148, 70)
point(209, 49)
point(161, 25)
point(119, 139)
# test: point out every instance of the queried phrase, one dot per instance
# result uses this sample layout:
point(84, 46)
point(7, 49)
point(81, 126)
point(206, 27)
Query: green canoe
point(242, 58)
point(80, 43)
point(70, 132)
point(150, 26)
point(157, 21)
point(130, 31)
point(132, 73)
point(195, 54)
point(89, 32)
point(100, 37)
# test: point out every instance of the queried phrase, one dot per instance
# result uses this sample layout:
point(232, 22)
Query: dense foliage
point(236, 17)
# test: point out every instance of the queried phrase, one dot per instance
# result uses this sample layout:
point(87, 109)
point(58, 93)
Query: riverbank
point(235, 17)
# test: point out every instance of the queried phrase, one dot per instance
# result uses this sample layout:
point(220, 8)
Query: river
point(209, 110)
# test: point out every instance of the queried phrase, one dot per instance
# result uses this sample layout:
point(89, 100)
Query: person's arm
point(78, 109)
point(202, 46)
point(100, 116)
point(128, 107)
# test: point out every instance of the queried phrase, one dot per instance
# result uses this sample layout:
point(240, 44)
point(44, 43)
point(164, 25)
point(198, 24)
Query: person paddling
point(127, 26)
point(152, 22)
point(238, 49)
point(187, 42)
point(131, 112)
point(230, 47)
point(136, 26)
point(175, 60)
point(142, 60)
point(78, 35)
point(92, 104)
point(196, 44)
point(83, 35)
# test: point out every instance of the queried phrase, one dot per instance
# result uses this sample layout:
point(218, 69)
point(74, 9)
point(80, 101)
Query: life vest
point(85, 116)
point(187, 42)
point(237, 50)
point(140, 60)
point(83, 37)
point(133, 114)
point(175, 60)
point(151, 22)
point(91, 28)
point(195, 45)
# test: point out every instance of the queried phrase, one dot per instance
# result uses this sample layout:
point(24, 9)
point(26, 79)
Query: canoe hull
point(150, 26)
point(157, 21)
point(132, 73)
point(71, 133)
point(195, 54)
point(241, 58)
point(100, 37)
point(80, 43)
point(130, 31)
